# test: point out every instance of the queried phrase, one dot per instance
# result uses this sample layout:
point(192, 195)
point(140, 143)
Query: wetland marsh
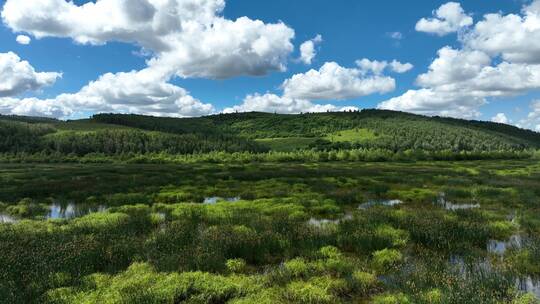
point(327, 232)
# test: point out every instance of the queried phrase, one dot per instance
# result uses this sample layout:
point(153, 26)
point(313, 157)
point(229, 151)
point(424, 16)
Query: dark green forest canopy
point(259, 132)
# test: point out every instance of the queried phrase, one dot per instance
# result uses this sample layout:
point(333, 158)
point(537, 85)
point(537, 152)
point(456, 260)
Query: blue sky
point(350, 30)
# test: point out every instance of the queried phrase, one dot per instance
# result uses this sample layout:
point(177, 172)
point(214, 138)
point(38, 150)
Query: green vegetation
point(25, 208)
point(294, 233)
point(354, 207)
point(391, 135)
point(82, 138)
point(352, 136)
point(287, 144)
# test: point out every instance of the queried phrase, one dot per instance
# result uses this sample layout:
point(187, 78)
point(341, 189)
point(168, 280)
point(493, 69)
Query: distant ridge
point(28, 119)
point(259, 132)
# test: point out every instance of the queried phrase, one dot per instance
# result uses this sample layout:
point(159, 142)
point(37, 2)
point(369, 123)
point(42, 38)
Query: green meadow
point(354, 136)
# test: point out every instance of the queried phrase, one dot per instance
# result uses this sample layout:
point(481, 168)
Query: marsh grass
point(158, 243)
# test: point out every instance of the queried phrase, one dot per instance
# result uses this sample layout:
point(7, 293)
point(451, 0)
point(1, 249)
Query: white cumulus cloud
point(23, 39)
point(498, 58)
point(432, 102)
point(307, 49)
point(374, 66)
point(399, 67)
point(465, 77)
point(515, 37)
point(454, 66)
point(448, 18)
point(33, 107)
point(185, 38)
point(532, 121)
point(500, 118)
point(189, 37)
point(227, 49)
point(282, 104)
point(333, 81)
point(377, 67)
point(138, 92)
point(18, 76)
point(330, 82)
point(142, 21)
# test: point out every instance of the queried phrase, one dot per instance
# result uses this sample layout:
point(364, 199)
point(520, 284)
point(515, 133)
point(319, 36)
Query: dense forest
point(38, 138)
point(368, 130)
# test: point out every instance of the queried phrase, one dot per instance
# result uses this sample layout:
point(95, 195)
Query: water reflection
point(526, 284)
point(373, 203)
point(441, 200)
point(214, 199)
point(500, 247)
point(529, 285)
point(5, 219)
point(462, 266)
point(318, 222)
point(321, 222)
point(512, 217)
point(72, 210)
point(59, 210)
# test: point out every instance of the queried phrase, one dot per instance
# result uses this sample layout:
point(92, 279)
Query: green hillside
point(82, 137)
point(384, 129)
point(260, 132)
point(368, 128)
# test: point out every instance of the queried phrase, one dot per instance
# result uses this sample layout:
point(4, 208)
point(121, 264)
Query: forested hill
point(368, 128)
point(259, 132)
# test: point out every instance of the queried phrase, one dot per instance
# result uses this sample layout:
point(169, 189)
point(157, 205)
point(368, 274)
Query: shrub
point(366, 235)
point(398, 298)
point(236, 265)
point(433, 296)
point(364, 281)
point(141, 284)
point(326, 209)
point(336, 265)
point(502, 229)
point(298, 267)
point(386, 259)
point(396, 237)
point(27, 208)
point(265, 296)
point(318, 290)
point(60, 279)
point(330, 252)
point(528, 298)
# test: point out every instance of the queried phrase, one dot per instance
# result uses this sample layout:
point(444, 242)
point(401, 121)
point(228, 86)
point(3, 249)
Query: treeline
point(43, 139)
point(22, 137)
point(401, 137)
point(199, 125)
point(28, 119)
point(133, 141)
point(369, 155)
